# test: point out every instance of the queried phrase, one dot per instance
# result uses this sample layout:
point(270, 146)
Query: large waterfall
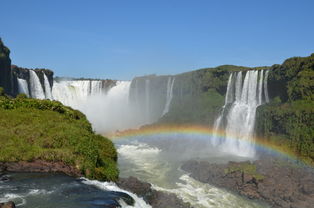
point(237, 117)
point(119, 107)
point(109, 105)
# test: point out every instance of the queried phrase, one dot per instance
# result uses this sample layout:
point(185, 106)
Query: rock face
point(5, 71)
point(23, 73)
point(269, 180)
point(155, 198)
point(39, 166)
point(9, 74)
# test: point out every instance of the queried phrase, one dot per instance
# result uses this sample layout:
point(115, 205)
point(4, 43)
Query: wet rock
point(5, 178)
point(279, 183)
point(156, 199)
point(125, 197)
point(9, 204)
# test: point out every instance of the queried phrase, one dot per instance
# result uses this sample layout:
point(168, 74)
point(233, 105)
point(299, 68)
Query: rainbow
point(198, 130)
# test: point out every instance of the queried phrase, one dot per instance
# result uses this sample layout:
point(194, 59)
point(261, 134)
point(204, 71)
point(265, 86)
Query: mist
point(118, 108)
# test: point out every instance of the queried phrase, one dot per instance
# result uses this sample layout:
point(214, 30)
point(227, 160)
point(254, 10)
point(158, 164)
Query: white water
point(73, 93)
point(47, 88)
point(240, 115)
point(169, 95)
point(107, 111)
point(109, 186)
point(266, 86)
point(202, 195)
point(157, 160)
point(36, 90)
point(111, 110)
point(23, 86)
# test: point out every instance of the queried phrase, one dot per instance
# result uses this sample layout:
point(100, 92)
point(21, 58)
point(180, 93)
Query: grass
point(245, 167)
point(33, 129)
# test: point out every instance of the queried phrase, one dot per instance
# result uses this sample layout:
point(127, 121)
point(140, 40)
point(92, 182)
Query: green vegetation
point(33, 129)
point(244, 167)
point(289, 119)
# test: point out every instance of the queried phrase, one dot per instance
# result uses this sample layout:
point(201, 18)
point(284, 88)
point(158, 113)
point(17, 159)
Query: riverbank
point(282, 184)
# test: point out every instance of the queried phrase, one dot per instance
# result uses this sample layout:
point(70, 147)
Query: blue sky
point(121, 39)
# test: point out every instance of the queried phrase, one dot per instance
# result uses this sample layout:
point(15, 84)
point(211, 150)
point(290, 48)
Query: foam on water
point(109, 186)
point(202, 195)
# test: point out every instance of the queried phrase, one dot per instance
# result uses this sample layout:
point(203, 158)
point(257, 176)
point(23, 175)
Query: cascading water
point(147, 101)
point(237, 117)
point(265, 86)
point(36, 90)
point(23, 86)
point(96, 87)
point(169, 95)
point(72, 93)
point(47, 88)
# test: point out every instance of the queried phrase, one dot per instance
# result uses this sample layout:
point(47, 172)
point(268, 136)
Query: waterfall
point(169, 95)
point(241, 111)
point(147, 100)
point(96, 87)
point(47, 88)
point(36, 90)
point(73, 92)
point(107, 111)
point(266, 87)
point(23, 86)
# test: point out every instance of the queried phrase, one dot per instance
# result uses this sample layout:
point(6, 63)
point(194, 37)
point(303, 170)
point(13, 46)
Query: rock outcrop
point(6, 80)
point(40, 166)
point(155, 198)
point(280, 184)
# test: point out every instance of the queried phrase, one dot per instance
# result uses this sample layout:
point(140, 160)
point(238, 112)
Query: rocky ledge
point(279, 183)
point(156, 199)
point(39, 166)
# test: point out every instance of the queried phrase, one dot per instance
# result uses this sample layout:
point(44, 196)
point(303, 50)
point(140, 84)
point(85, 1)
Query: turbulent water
point(157, 159)
point(30, 190)
point(237, 117)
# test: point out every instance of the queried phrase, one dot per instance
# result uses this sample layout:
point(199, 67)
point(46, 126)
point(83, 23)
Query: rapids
point(157, 159)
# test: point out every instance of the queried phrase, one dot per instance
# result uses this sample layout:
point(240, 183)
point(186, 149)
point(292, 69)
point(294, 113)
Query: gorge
point(176, 132)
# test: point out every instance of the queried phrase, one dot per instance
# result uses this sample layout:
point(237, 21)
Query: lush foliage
point(289, 119)
point(289, 124)
point(33, 129)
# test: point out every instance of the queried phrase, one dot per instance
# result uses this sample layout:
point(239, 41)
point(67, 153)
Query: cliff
point(5, 70)
point(197, 95)
point(289, 119)
point(9, 74)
